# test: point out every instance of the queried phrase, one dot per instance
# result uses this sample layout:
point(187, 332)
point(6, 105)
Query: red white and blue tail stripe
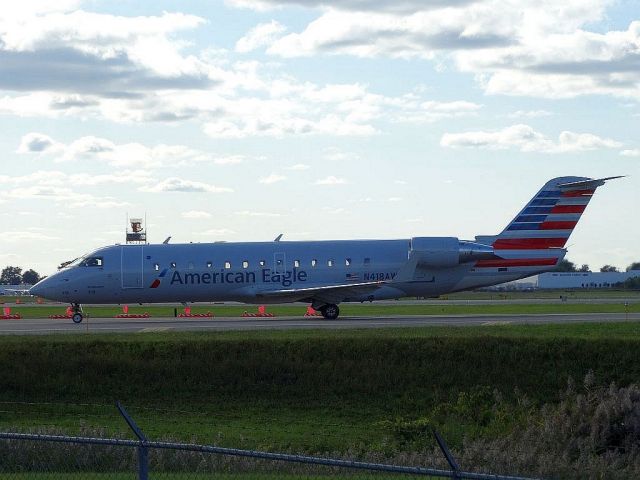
point(538, 234)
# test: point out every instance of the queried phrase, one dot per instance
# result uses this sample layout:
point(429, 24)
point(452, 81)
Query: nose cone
point(41, 288)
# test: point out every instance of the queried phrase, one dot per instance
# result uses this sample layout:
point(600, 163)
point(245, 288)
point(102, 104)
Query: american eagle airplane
point(326, 273)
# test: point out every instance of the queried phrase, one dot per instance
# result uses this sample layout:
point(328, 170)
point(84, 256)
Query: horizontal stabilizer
point(590, 184)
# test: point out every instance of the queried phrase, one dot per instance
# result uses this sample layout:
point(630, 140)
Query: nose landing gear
point(77, 316)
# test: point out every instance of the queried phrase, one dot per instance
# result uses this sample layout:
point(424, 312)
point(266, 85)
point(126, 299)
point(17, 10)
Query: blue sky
point(243, 119)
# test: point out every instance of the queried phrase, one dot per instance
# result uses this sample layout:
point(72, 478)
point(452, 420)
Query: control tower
point(136, 232)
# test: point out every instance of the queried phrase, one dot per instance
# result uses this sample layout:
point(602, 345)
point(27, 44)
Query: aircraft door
point(132, 266)
point(279, 262)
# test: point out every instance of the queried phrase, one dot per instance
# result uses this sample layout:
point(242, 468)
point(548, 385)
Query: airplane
point(326, 273)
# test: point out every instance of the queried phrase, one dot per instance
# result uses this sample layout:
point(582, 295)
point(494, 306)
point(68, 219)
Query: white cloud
point(539, 48)
point(631, 153)
point(217, 232)
point(331, 180)
point(229, 160)
point(526, 139)
point(126, 155)
point(174, 184)
point(259, 36)
point(96, 53)
point(530, 114)
point(299, 167)
point(37, 143)
point(26, 236)
point(273, 178)
point(250, 213)
point(54, 185)
point(62, 195)
point(196, 214)
point(337, 155)
point(376, 5)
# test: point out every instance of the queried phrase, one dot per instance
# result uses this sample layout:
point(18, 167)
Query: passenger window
point(172, 264)
point(296, 263)
point(190, 266)
point(330, 263)
point(156, 267)
point(262, 263)
point(314, 262)
point(367, 261)
point(227, 265)
point(279, 262)
point(209, 264)
point(347, 262)
point(245, 264)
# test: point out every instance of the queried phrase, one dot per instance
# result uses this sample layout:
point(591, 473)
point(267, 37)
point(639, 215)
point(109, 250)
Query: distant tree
point(11, 276)
point(632, 283)
point(565, 266)
point(634, 266)
point(584, 268)
point(609, 268)
point(30, 277)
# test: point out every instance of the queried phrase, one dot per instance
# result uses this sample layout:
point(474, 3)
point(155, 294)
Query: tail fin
point(537, 235)
point(549, 218)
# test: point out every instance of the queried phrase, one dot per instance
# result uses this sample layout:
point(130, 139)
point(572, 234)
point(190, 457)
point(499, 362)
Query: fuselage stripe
point(517, 262)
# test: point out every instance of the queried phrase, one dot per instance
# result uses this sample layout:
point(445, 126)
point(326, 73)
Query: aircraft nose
point(39, 289)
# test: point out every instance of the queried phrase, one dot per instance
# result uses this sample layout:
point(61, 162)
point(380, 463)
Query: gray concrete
point(113, 325)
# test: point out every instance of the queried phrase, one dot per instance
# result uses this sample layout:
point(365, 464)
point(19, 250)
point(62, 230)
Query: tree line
point(569, 266)
point(15, 276)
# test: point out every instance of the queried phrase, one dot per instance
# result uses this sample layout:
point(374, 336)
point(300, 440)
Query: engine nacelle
point(442, 252)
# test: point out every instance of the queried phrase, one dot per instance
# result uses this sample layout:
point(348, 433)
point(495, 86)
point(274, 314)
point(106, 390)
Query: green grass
point(304, 391)
point(373, 309)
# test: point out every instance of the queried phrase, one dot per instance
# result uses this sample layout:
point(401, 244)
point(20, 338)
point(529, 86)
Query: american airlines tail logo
point(156, 282)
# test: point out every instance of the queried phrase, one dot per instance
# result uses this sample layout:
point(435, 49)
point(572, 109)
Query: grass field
point(305, 391)
point(373, 309)
point(359, 393)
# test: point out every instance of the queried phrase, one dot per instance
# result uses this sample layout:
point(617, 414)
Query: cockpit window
point(92, 262)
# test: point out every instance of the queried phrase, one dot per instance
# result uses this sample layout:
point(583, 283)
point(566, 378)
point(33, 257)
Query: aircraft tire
point(330, 311)
point(77, 318)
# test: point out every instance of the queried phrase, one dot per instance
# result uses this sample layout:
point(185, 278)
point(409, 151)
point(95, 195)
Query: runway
point(115, 325)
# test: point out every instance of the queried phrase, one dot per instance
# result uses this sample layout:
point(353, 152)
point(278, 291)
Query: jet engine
point(442, 252)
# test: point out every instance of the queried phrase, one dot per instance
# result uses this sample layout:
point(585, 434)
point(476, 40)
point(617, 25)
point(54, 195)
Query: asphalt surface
point(114, 325)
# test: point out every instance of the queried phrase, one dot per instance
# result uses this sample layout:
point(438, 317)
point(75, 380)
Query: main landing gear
point(330, 311)
point(77, 316)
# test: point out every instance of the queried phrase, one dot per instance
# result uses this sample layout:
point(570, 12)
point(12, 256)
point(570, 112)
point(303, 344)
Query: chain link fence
point(48, 457)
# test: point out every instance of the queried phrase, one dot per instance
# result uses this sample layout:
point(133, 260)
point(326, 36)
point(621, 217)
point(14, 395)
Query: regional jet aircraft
point(326, 273)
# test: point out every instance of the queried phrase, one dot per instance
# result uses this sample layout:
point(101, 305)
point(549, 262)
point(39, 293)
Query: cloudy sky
point(319, 119)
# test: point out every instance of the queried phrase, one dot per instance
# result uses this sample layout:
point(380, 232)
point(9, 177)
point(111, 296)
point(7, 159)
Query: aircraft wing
point(325, 293)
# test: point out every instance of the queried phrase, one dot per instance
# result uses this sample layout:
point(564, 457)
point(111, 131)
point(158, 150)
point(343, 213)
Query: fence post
point(143, 450)
point(447, 454)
